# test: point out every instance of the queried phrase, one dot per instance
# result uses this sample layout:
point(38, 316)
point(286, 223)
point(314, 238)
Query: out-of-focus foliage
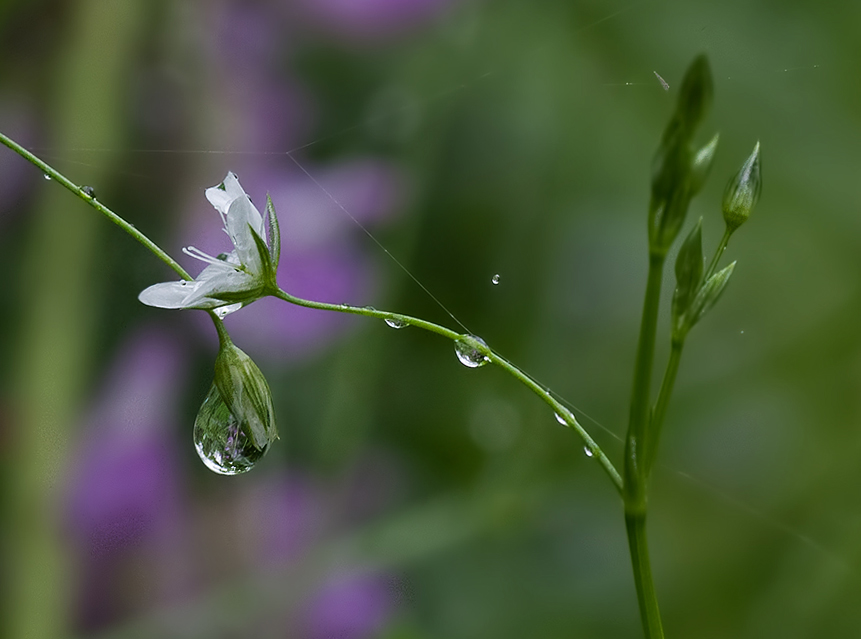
point(411, 497)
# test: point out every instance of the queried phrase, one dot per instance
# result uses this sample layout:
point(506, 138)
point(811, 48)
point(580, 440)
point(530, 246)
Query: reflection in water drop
point(468, 352)
point(560, 419)
point(224, 311)
point(46, 176)
point(495, 279)
point(588, 451)
point(396, 323)
point(219, 439)
point(88, 191)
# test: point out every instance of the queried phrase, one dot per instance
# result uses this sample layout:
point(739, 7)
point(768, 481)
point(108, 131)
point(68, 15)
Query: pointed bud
point(695, 96)
point(246, 394)
point(742, 191)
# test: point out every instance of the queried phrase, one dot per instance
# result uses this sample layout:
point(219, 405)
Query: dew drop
point(588, 451)
point(468, 352)
point(219, 439)
point(560, 419)
point(223, 311)
point(495, 279)
point(88, 191)
point(394, 322)
point(368, 308)
point(46, 176)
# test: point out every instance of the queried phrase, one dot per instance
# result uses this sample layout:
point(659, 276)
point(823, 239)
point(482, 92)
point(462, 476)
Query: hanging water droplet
point(223, 311)
point(560, 419)
point(219, 439)
point(368, 308)
point(46, 176)
point(588, 451)
point(394, 322)
point(88, 191)
point(468, 351)
point(495, 279)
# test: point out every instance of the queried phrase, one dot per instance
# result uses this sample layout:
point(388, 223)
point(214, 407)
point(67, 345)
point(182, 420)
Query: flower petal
point(242, 218)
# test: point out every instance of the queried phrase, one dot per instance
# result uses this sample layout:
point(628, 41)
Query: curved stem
point(87, 197)
point(718, 253)
point(491, 355)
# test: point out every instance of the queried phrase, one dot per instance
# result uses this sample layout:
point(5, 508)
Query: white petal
point(213, 285)
point(168, 294)
point(224, 194)
point(240, 216)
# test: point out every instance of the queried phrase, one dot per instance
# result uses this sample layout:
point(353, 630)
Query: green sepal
point(689, 273)
point(707, 296)
point(702, 164)
point(274, 231)
point(246, 393)
point(269, 269)
point(695, 96)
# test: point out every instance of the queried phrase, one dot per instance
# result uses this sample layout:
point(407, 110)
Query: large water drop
point(468, 351)
point(394, 322)
point(495, 279)
point(219, 439)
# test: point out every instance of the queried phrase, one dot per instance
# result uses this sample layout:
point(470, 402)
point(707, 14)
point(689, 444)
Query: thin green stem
point(635, 442)
point(660, 409)
point(87, 197)
point(718, 254)
point(635, 525)
point(491, 355)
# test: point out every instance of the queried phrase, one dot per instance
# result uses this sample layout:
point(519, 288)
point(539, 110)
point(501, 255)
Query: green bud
point(689, 273)
point(274, 234)
point(677, 174)
point(742, 191)
point(695, 96)
point(246, 394)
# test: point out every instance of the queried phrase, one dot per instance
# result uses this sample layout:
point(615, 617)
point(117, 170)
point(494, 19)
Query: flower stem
point(58, 177)
point(718, 253)
point(491, 355)
point(637, 443)
point(660, 409)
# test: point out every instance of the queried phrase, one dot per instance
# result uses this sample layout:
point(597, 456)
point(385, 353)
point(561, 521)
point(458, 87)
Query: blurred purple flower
point(125, 478)
point(367, 19)
point(281, 516)
point(355, 606)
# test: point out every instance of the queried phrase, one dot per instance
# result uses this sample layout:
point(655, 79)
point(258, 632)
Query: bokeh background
point(410, 497)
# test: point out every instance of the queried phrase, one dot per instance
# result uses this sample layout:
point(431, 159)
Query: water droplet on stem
point(394, 322)
point(469, 353)
point(560, 419)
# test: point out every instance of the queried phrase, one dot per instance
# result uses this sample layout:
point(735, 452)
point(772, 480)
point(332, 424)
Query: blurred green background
point(410, 497)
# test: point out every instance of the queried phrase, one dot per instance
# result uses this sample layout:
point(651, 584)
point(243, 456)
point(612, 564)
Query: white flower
point(234, 279)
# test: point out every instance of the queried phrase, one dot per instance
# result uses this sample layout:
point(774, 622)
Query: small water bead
point(468, 352)
point(221, 443)
point(224, 311)
point(588, 451)
point(560, 419)
point(495, 279)
point(88, 191)
point(394, 322)
point(46, 176)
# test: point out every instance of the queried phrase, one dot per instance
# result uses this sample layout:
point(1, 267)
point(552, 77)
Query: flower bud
point(742, 191)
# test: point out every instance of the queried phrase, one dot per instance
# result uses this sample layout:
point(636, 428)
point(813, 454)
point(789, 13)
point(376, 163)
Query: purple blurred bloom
point(281, 516)
point(367, 19)
point(353, 606)
point(124, 485)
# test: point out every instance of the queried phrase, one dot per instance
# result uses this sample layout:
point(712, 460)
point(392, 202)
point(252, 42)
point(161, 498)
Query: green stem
point(637, 444)
point(718, 254)
point(80, 191)
point(635, 525)
point(660, 409)
point(491, 355)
